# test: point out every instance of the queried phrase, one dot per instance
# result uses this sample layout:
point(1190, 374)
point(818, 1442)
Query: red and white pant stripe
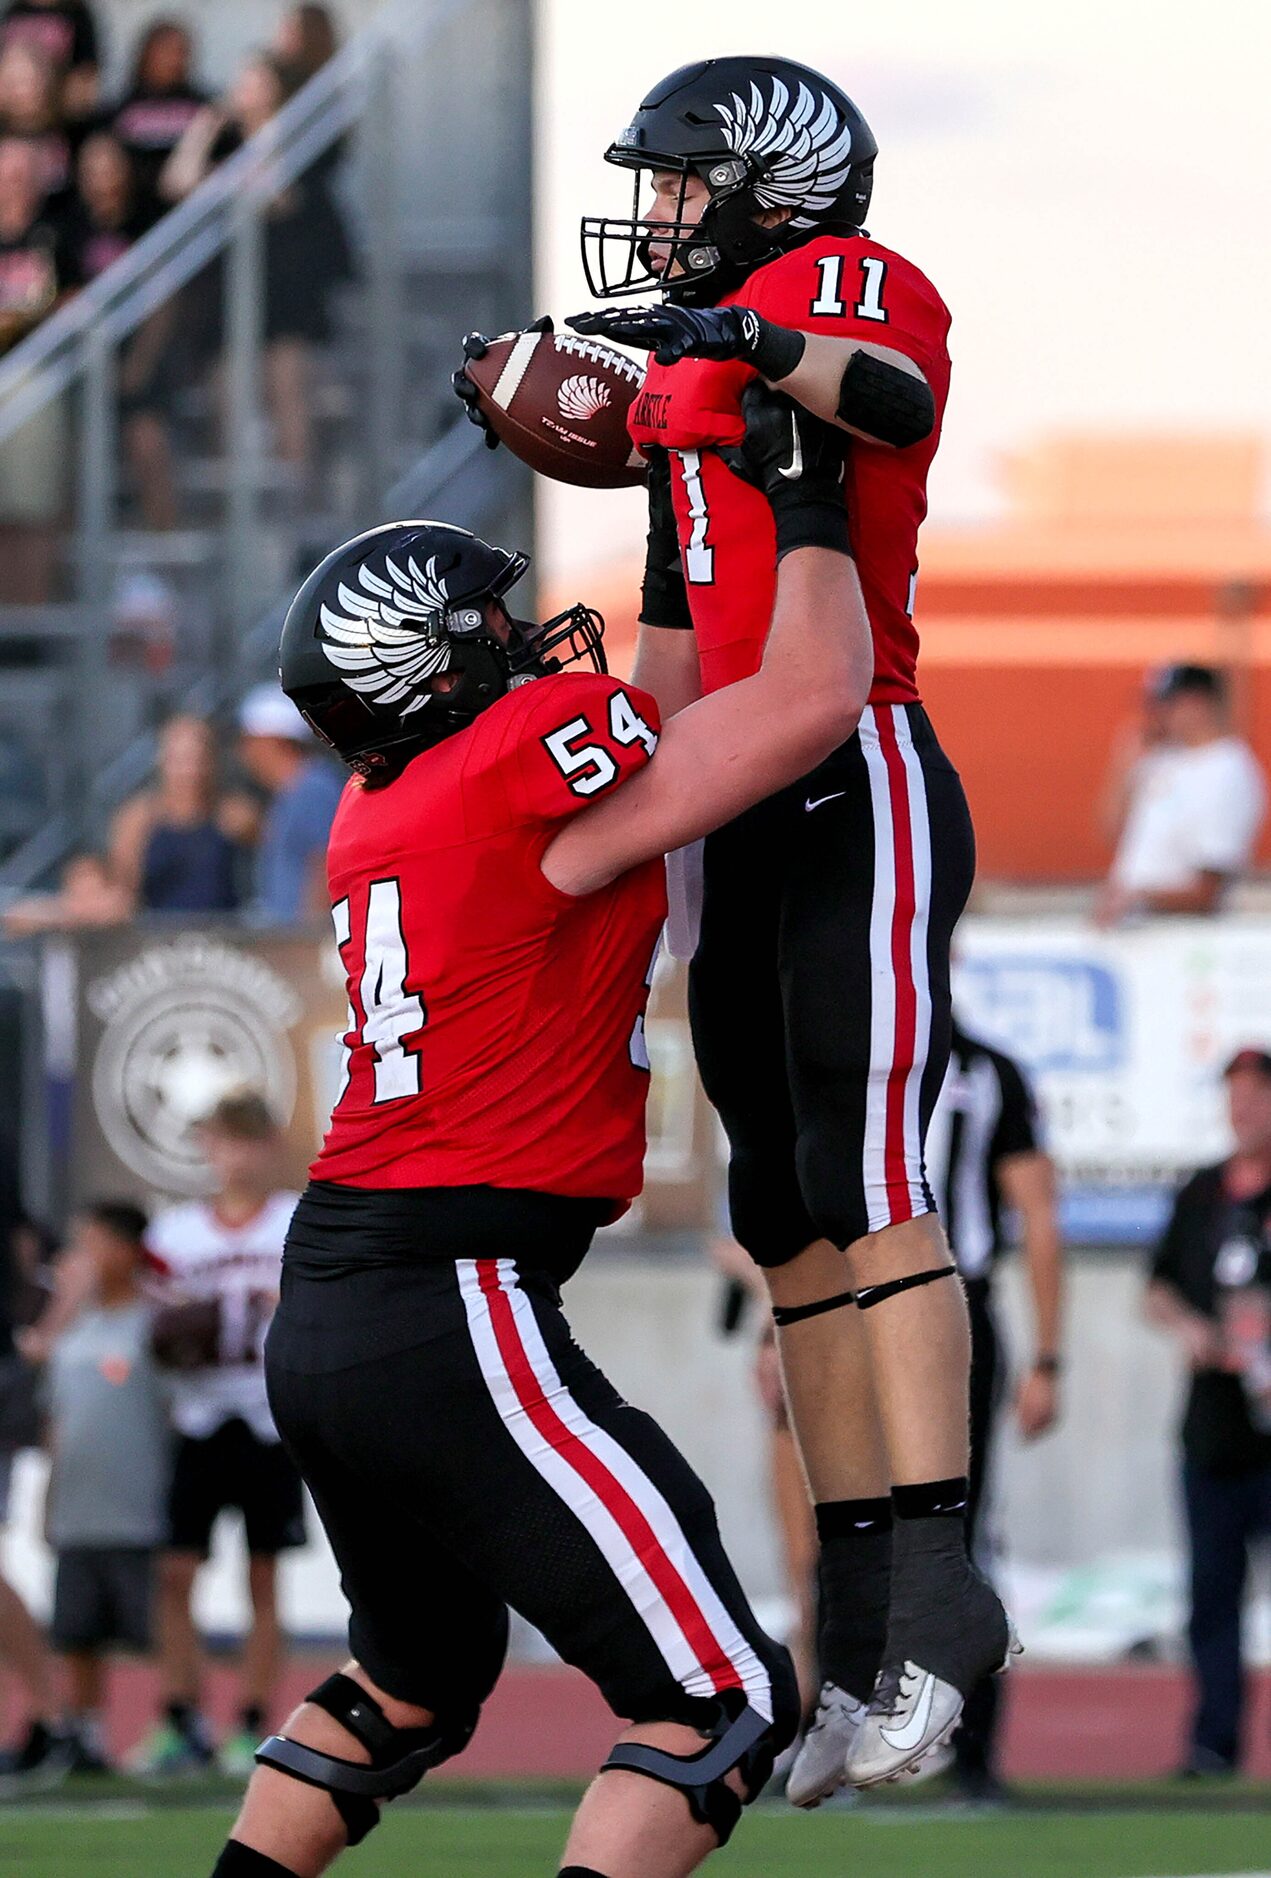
point(900, 988)
point(623, 1511)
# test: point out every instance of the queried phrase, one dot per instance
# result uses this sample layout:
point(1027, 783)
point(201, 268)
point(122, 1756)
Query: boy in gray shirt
point(109, 1439)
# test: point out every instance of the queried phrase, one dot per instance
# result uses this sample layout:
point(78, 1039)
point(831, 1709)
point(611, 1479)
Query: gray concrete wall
point(1102, 1483)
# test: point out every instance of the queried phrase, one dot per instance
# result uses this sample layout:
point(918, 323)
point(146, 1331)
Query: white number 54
point(588, 766)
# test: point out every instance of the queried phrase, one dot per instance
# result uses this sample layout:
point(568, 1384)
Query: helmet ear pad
point(731, 223)
point(480, 674)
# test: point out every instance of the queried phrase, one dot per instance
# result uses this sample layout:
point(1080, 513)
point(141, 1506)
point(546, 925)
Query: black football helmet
point(394, 610)
point(761, 134)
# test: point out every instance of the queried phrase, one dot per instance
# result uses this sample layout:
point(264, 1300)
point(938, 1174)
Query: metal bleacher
point(434, 183)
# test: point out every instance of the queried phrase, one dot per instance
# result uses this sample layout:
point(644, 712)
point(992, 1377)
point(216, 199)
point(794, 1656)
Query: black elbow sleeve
point(879, 399)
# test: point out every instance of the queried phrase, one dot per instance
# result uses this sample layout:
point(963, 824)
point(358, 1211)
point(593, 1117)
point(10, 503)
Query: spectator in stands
point(1187, 802)
point(182, 845)
point(35, 275)
point(1211, 1286)
point(307, 252)
point(226, 1252)
point(36, 267)
point(43, 1749)
point(106, 214)
point(160, 104)
point(306, 39)
point(278, 750)
point(108, 1439)
point(89, 896)
point(30, 109)
point(65, 33)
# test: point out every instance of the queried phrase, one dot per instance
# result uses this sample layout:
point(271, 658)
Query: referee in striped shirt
point(985, 1161)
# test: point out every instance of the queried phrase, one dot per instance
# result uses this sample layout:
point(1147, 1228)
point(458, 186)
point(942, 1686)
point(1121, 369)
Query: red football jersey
point(847, 287)
point(495, 1024)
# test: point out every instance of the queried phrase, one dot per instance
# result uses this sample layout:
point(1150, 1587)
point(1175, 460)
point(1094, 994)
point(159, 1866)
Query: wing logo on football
point(389, 639)
point(582, 398)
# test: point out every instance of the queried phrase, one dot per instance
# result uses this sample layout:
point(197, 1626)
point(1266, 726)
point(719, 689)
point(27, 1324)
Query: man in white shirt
point(1188, 803)
point(226, 1254)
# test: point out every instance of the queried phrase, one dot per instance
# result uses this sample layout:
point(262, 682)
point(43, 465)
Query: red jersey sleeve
point(852, 288)
point(581, 737)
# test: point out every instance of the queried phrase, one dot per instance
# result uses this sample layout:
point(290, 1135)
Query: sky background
point(1088, 185)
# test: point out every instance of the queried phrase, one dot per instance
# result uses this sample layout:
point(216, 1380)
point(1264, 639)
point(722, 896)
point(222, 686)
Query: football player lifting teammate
point(820, 985)
point(498, 891)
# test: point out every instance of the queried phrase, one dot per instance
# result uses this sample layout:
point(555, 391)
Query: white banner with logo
point(1125, 1034)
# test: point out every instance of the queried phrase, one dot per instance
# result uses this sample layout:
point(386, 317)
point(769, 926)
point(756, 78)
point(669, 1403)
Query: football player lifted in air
point(820, 984)
point(498, 890)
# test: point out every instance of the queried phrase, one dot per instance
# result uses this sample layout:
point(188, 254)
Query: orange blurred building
point(1117, 554)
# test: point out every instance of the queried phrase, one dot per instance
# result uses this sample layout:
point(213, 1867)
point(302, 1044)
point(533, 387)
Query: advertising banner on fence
point(1126, 1034)
point(146, 1028)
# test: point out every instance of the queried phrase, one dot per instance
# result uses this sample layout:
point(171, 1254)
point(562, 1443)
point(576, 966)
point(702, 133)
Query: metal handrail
point(45, 364)
point(74, 356)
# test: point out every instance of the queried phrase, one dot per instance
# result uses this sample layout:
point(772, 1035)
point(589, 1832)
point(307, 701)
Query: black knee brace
point(870, 1295)
point(740, 1738)
point(400, 1757)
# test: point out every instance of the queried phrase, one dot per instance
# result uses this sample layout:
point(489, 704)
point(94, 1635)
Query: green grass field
point(127, 1837)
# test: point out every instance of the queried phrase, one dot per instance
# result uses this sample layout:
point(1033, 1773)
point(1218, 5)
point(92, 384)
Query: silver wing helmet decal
point(807, 150)
point(389, 639)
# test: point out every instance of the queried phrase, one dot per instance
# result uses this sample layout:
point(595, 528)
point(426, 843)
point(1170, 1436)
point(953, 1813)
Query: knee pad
point(740, 1738)
point(400, 1757)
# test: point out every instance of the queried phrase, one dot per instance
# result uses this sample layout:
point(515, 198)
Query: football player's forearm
point(666, 666)
point(1043, 1253)
point(1202, 895)
point(1028, 1185)
point(736, 747)
point(872, 391)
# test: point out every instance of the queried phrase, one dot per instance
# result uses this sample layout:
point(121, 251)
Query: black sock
point(854, 1584)
point(579, 1871)
point(943, 1614)
point(931, 1499)
point(252, 1717)
point(239, 1861)
point(181, 1715)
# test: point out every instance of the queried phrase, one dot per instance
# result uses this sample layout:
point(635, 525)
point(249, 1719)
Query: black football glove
point(673, 333)
point(799, 463)
point(475, 346)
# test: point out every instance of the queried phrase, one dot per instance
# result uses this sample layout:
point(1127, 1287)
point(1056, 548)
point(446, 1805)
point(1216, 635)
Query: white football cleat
point(910, 1720)
point(819, 1766)
point(909, 1726)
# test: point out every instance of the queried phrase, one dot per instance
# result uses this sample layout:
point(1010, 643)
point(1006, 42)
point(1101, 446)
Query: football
point(559, 402)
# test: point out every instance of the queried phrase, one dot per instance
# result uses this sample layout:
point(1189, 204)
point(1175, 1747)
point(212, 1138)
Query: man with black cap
point(1189, 798)
point(1211, 1285)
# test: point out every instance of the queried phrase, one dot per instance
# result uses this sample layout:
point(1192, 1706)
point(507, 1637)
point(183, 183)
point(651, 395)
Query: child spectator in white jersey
point(218, 1262)
point(109, 1439)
